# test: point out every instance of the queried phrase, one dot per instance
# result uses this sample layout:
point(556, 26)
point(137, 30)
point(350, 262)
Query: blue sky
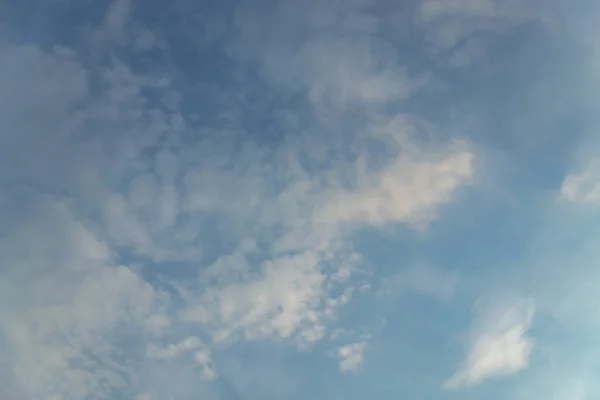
point(279, 199)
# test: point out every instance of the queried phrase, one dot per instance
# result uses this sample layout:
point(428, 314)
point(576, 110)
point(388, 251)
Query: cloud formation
point(122, 178)
point(584, 186)
point(351, 356)
point(196, 199)
point(500, 345)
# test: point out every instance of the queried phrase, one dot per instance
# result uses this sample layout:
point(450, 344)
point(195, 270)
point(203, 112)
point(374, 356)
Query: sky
point(317, 199)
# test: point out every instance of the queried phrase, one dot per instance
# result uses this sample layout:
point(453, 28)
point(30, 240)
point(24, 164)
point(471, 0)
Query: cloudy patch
point(584, 186)
point(500, 345)
point(351, 356)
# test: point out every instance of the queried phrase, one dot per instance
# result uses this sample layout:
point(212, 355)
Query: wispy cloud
point(404, 192)
point(583, 186)
point(500, 345)
point(351, 355)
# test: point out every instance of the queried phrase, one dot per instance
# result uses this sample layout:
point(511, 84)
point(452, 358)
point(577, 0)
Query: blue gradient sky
point(280, 199)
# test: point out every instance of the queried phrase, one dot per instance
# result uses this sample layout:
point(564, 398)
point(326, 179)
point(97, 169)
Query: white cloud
point(283, 298)
point(583, 187)
point(351, 356)
point(499, 346)
point(173, 350)
point(193, 345)
point(407, 191)
point(203, 357)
